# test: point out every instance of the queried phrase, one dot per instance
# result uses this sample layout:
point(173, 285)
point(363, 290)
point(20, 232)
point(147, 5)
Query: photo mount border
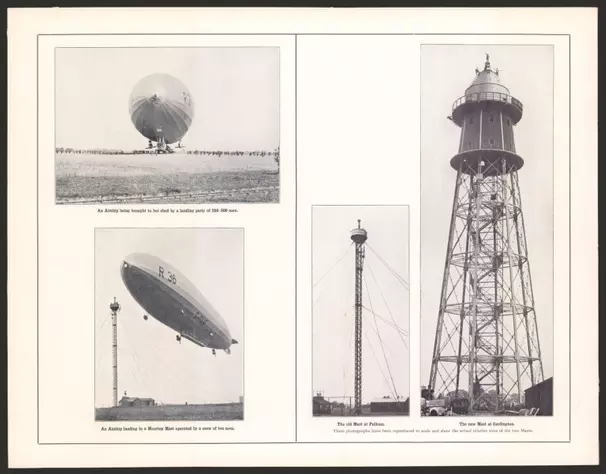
point(357, 417)
point(553, 233)
point(243, 321)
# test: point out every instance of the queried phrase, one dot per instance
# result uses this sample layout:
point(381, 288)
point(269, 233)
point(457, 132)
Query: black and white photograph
point(487, 230)
point(169, 324)
point(167, 125)
point(360, 310)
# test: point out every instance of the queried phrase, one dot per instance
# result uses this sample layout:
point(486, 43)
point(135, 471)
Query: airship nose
point(124, 265)
point(128, 261)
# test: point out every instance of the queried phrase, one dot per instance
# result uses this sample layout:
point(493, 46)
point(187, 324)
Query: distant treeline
point(110, 151)
point(92, 151)
point(274, 153)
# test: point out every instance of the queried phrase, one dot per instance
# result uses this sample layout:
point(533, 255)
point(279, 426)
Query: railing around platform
point(488, 96)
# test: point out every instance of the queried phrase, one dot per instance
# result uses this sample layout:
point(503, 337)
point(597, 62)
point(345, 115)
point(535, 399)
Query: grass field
point(219, 411)
point(84, 178)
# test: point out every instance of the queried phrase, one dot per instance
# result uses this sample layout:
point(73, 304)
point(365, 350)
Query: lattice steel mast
point(115, 307)
point(486, 340)
point(359, 237)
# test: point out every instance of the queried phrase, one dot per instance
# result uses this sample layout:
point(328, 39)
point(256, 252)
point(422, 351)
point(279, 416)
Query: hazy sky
point(235, 92)
point(333, 296)
point(446, 71)
point(151, 363)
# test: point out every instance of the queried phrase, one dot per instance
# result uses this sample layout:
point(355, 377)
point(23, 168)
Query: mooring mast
point(487, 336)
point(359, 236)
point(115, 307)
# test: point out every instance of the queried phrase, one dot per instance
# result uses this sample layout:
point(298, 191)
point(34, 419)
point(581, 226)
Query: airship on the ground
point(161, 108)
point(167, 295)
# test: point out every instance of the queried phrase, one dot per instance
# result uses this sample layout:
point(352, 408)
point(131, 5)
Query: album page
point(302, 237)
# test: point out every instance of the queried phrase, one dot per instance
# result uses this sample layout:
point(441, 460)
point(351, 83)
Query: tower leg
point(436, 345)
point(514, 308)
point(534, 347)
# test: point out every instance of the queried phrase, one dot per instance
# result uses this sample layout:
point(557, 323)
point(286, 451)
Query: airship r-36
point(168, 296)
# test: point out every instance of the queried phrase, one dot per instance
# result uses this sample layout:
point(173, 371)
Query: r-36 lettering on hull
point(168, 296)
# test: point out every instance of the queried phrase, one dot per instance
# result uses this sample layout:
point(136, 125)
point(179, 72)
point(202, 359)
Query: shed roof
point(132, 399)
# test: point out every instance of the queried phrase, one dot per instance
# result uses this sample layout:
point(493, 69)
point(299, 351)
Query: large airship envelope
point(168, 296)
point(161, 107)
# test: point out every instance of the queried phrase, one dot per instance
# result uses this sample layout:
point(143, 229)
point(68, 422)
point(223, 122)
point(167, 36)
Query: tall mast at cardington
point(486, 343)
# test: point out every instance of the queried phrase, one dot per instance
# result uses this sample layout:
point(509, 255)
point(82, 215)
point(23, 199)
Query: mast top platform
point(359, 234)
point(114, 306)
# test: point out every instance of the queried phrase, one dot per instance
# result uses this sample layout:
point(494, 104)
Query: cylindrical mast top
point(486, 114)
point(359, 235)
point(114, 306)
point(486, 87)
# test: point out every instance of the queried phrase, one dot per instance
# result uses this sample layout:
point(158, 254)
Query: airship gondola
point(161, 109)
point(168, 296)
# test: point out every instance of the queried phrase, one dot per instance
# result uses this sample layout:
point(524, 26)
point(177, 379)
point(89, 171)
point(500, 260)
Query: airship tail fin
point(233, 341)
